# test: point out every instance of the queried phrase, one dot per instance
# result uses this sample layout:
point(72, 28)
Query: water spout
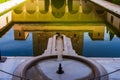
point(60, 71)
point(59, 47)
point(59, 57)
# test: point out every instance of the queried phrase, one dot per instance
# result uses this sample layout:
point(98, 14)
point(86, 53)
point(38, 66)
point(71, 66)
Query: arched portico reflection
point(86, 6)
point(31, 6)
point(54, 10)
point(58, 8)
point(73, 6)
point(44, 6)
point(99, 10)
point(41, 34)
point(19, 9)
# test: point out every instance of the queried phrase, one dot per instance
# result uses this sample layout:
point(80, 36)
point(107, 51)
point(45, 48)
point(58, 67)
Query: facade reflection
point(58, 8)
point(41, 34)
point(54, 10)
point(69, 17)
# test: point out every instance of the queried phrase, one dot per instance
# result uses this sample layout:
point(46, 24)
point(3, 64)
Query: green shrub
point(115, 1)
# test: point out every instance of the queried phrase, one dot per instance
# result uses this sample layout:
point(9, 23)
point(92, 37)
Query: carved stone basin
point(74, 67)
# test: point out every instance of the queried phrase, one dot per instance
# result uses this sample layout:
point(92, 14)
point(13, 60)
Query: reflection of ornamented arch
point(86, 7)
point(31, 7)
point(58, 4)
point(45, 6)
point(58, 8)
point(86, 11)
point(18, 10)
point(99, 10)
point(73, 6)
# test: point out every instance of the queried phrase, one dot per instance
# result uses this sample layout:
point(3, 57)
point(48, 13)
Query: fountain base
point(75, 68)
point(60, 71)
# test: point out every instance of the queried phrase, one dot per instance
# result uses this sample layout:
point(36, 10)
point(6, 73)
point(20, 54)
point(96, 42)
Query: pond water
point(36, 21)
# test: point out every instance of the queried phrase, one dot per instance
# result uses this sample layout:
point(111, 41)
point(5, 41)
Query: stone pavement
point(10, 65)
point(110, 64)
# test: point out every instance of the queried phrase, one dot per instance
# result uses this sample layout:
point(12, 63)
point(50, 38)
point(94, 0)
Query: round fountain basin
point(74, 67)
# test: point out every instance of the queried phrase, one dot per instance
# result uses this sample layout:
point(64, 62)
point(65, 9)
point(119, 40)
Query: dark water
point(89, 32)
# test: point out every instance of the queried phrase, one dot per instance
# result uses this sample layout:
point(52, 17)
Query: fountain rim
point(97, 69)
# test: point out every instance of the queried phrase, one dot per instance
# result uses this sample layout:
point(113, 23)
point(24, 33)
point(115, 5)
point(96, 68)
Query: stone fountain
point(60, 62)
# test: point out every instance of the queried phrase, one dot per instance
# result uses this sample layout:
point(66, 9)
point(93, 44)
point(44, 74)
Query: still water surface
point(83, 22)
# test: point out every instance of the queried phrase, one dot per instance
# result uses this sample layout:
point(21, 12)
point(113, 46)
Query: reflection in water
point(19, 9)
point(40, 37)
point(97, 34)
point(111, 35)
point(46, 7)
point(54, 10)
point(58, 4)
point(58, 8)
point(73, 6)
point(19, 34)
point(87, 8)
point(40, 41)
point(31, 6)
point(79, 20)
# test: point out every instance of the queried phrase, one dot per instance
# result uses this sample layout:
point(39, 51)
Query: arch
point(58, 4)
point(99, 10)
point(58, 8)
point(73, 6)
point(31, 6)
point(58, 14)
point(45, 6)
point(86, 7)
point(19, 9)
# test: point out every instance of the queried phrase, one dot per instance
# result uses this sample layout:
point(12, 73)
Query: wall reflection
point(72, 18)
point(41, 34)
point(52, 10)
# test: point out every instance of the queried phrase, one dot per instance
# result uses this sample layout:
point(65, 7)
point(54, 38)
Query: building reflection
point(40, 41)
point(64, 10)
point(65, 13)
point(41, 34)
point(58, 8)
point(97, 34)
point(54, 10)
point(19, 33)
point(45, 7)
